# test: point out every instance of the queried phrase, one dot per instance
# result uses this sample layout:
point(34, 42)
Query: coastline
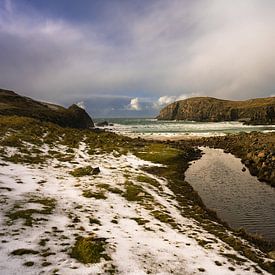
point(150, 184)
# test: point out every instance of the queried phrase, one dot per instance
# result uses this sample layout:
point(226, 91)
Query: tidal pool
point(237, 197)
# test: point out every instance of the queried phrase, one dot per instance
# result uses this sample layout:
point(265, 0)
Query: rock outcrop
point(253, 111)
point(14, 104)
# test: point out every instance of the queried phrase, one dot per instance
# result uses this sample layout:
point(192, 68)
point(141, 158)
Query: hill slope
point(85, 202)
point(14, 104)
point(255, 111)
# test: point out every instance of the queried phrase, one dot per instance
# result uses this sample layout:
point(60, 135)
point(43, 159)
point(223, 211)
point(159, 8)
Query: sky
point(129, 58)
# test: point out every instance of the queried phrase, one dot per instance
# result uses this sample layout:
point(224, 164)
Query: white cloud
point(134, 105)
point(81, 104)
point(166, 100)
point(218, 47)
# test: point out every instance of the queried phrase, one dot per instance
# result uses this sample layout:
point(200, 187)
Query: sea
point(153, 128)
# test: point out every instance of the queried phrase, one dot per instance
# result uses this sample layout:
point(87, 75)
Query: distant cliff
point(14, 104)
point(253, 111)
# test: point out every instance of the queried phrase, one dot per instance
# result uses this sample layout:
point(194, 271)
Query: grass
point(29, 263)
point(134, 192)
point(94, 221)
point(96, 195)
point(82, 171)
point(23, 251)
point(110, 188)
point(174, 155)
point(159, 153)
point(140, 221)
point(89, 250)
point(27, 214)
point(153, 182)
point(164, 217)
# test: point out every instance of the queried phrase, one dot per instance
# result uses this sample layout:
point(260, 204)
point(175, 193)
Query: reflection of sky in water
point(236, 196)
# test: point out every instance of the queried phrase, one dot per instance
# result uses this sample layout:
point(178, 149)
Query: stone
point(102, 124)
point(95, 171)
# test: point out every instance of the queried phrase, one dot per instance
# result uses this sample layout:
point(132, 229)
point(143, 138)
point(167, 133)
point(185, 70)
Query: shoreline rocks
point(256, 150)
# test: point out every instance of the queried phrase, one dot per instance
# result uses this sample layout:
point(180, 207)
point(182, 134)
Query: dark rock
point(13, 104)
point(95, 171)
point(102, 124)
point(244, 169)
point(253, 111)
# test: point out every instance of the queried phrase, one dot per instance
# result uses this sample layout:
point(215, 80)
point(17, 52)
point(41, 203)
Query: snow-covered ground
point(138, 240)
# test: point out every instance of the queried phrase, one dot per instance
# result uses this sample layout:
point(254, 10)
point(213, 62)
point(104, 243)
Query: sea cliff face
point(14, 104)
point(254, 111)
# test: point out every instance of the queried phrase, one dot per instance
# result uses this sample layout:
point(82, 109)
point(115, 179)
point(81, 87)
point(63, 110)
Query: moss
point(218, 263)
point(24, 214)
point(82, 171)
point(140, 221)
point(96, 195)
point(43, 242)
point(234, 257)
point(133, 192)
point(12, 140)
point(109, 188)
point(44, 264)
point(27, 214)
point(29, 263)
point(49, 203)
point(23, 251)
point(154, 182)
point(85, 171)
point(26, 158)
point(163, 217)
point(47, 254)
point(159, 153)
point(89, 250)
point(94, 221)
point(175, 155)
point(203, 243)
point(65, 158)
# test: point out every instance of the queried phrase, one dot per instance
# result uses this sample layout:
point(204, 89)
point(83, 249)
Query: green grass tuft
point(89, 250)
point(85, 171)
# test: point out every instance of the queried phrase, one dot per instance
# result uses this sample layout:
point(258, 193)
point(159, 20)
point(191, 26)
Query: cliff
point(253, 111)
point(14, 104)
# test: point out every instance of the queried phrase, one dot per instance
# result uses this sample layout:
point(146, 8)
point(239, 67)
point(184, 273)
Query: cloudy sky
point(132, 57)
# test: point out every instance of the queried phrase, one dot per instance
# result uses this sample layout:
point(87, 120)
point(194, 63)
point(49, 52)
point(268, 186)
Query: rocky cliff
point(253, 111)
point(14, 104)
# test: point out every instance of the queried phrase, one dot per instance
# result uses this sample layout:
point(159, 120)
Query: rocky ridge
point(207, 109)
point(13, 104)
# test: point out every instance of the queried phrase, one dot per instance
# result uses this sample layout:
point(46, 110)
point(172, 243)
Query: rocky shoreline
point(256, 150)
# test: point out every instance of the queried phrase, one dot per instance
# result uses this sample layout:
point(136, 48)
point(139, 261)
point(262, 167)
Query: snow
point(134, 248)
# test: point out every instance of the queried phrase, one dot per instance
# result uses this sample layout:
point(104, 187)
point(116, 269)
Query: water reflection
point(237, 197)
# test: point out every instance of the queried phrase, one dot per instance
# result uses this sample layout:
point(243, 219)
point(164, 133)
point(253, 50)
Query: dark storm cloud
point(137, 51)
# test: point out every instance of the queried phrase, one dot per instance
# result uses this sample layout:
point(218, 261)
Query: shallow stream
point(237, 197)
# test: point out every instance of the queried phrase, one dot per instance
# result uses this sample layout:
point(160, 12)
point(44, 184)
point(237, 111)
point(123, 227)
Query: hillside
point(254, 111)
point(14, 104)
point(84, 202)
